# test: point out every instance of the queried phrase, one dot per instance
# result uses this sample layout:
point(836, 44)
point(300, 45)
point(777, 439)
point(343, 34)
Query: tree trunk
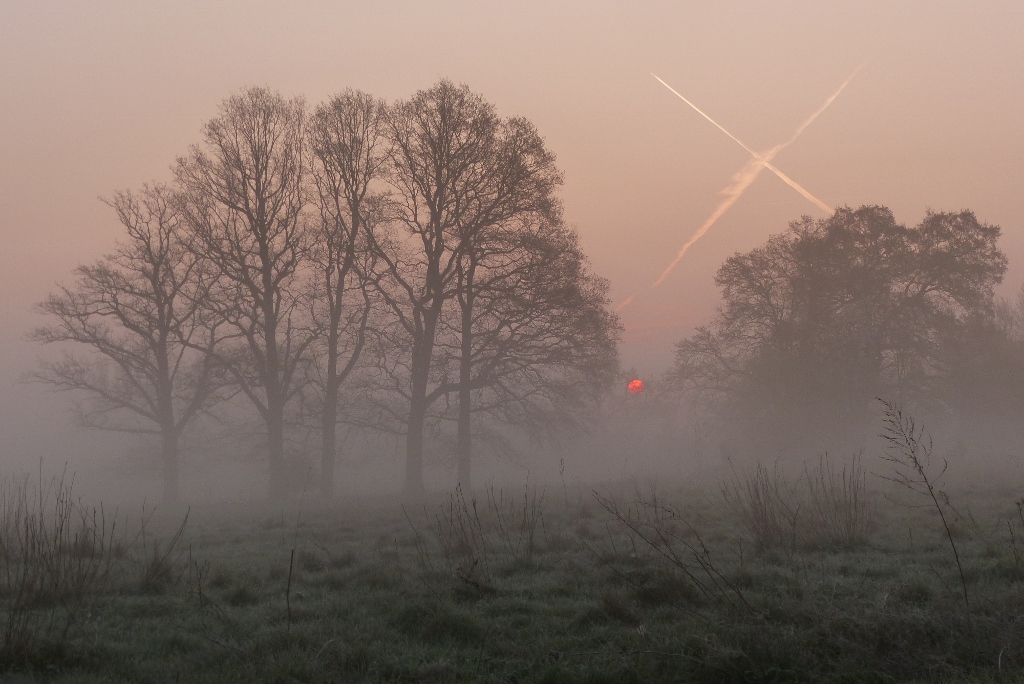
point(276, 484)
point(414, 449)
point(271, 371)
point(329, 440)
point(332, 386)
point(422, 351)
point(169, 454)
point(168, 427)
point(465, 436)
point(417, 416)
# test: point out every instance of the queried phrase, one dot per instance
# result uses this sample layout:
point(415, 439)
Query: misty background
point(104, 97)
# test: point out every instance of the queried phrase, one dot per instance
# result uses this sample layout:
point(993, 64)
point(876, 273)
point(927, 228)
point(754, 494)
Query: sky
point(102, 96)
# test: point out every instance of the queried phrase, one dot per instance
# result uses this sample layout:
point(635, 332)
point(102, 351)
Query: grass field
point(763, 580)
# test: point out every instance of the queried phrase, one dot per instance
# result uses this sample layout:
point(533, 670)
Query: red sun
point(635, 386)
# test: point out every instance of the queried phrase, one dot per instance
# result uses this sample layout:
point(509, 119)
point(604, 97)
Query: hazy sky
point(100, 96)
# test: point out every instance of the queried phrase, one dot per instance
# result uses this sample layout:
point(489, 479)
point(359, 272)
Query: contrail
point(822, 108)
point(717, 125)
point(765, 158)
point(796, 135)
point(626, 302)
point(796, 186)
point(745, 176)
point(740, 182)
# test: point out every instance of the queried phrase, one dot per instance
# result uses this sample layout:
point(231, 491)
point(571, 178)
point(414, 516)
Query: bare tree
point(245, 209)
point(138, 309)
point(538, 343)
point(440, 142)
point(520, 180)
point(467, 187)
point(348, 154)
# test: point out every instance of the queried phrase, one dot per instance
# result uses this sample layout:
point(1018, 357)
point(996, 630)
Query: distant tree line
point(820, 320)
point(400, 267)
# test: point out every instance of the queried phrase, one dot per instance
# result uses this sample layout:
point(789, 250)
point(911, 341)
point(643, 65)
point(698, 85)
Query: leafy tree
point(820, 319)
point(138, 310)
point(982, 380)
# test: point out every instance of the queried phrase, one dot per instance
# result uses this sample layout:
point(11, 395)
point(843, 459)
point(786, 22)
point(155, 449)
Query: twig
point(288, 590)
point(911, 455)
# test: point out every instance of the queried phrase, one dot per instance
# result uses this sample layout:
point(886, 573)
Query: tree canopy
point(835, 311)
point(414, 251)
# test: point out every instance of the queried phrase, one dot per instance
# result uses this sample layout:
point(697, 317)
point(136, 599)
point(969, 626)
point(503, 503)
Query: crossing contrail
point(743, 178)
point(740, 182)
point(765, 159)
point(796, 135)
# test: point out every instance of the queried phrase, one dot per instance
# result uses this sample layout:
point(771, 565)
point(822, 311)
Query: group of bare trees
point(414, 253)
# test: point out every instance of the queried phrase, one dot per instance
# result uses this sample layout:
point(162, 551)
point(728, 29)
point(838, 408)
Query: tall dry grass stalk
point(766, 506)
point(828, 506)
point(839, 502)
point(472, 536)
point(459, 531)
point(54, 551)
point(664, 536)
point(910, 452)
point(516, 520)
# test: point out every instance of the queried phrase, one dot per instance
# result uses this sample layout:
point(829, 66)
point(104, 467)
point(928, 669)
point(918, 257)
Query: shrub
point(766, 507)
point(54, 552)
point(829, 508)
point(841, 514)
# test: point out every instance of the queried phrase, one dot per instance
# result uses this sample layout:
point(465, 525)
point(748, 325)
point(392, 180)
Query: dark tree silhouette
point(246, 198)
point(515, 202)
point(427, 233)
point(347, 154)
point(471, 204)
point(842, 309)
point(443, 144)
point(138, 310)
point(537, 341)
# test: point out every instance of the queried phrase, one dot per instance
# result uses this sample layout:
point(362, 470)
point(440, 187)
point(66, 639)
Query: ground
point(610, 583)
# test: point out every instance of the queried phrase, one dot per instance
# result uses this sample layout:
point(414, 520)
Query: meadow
point(831, 574)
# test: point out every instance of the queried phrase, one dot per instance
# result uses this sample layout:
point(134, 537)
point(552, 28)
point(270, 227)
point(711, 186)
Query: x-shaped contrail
point(742, 179)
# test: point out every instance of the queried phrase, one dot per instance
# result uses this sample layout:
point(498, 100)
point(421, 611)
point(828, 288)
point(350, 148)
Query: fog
point(106, 96)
